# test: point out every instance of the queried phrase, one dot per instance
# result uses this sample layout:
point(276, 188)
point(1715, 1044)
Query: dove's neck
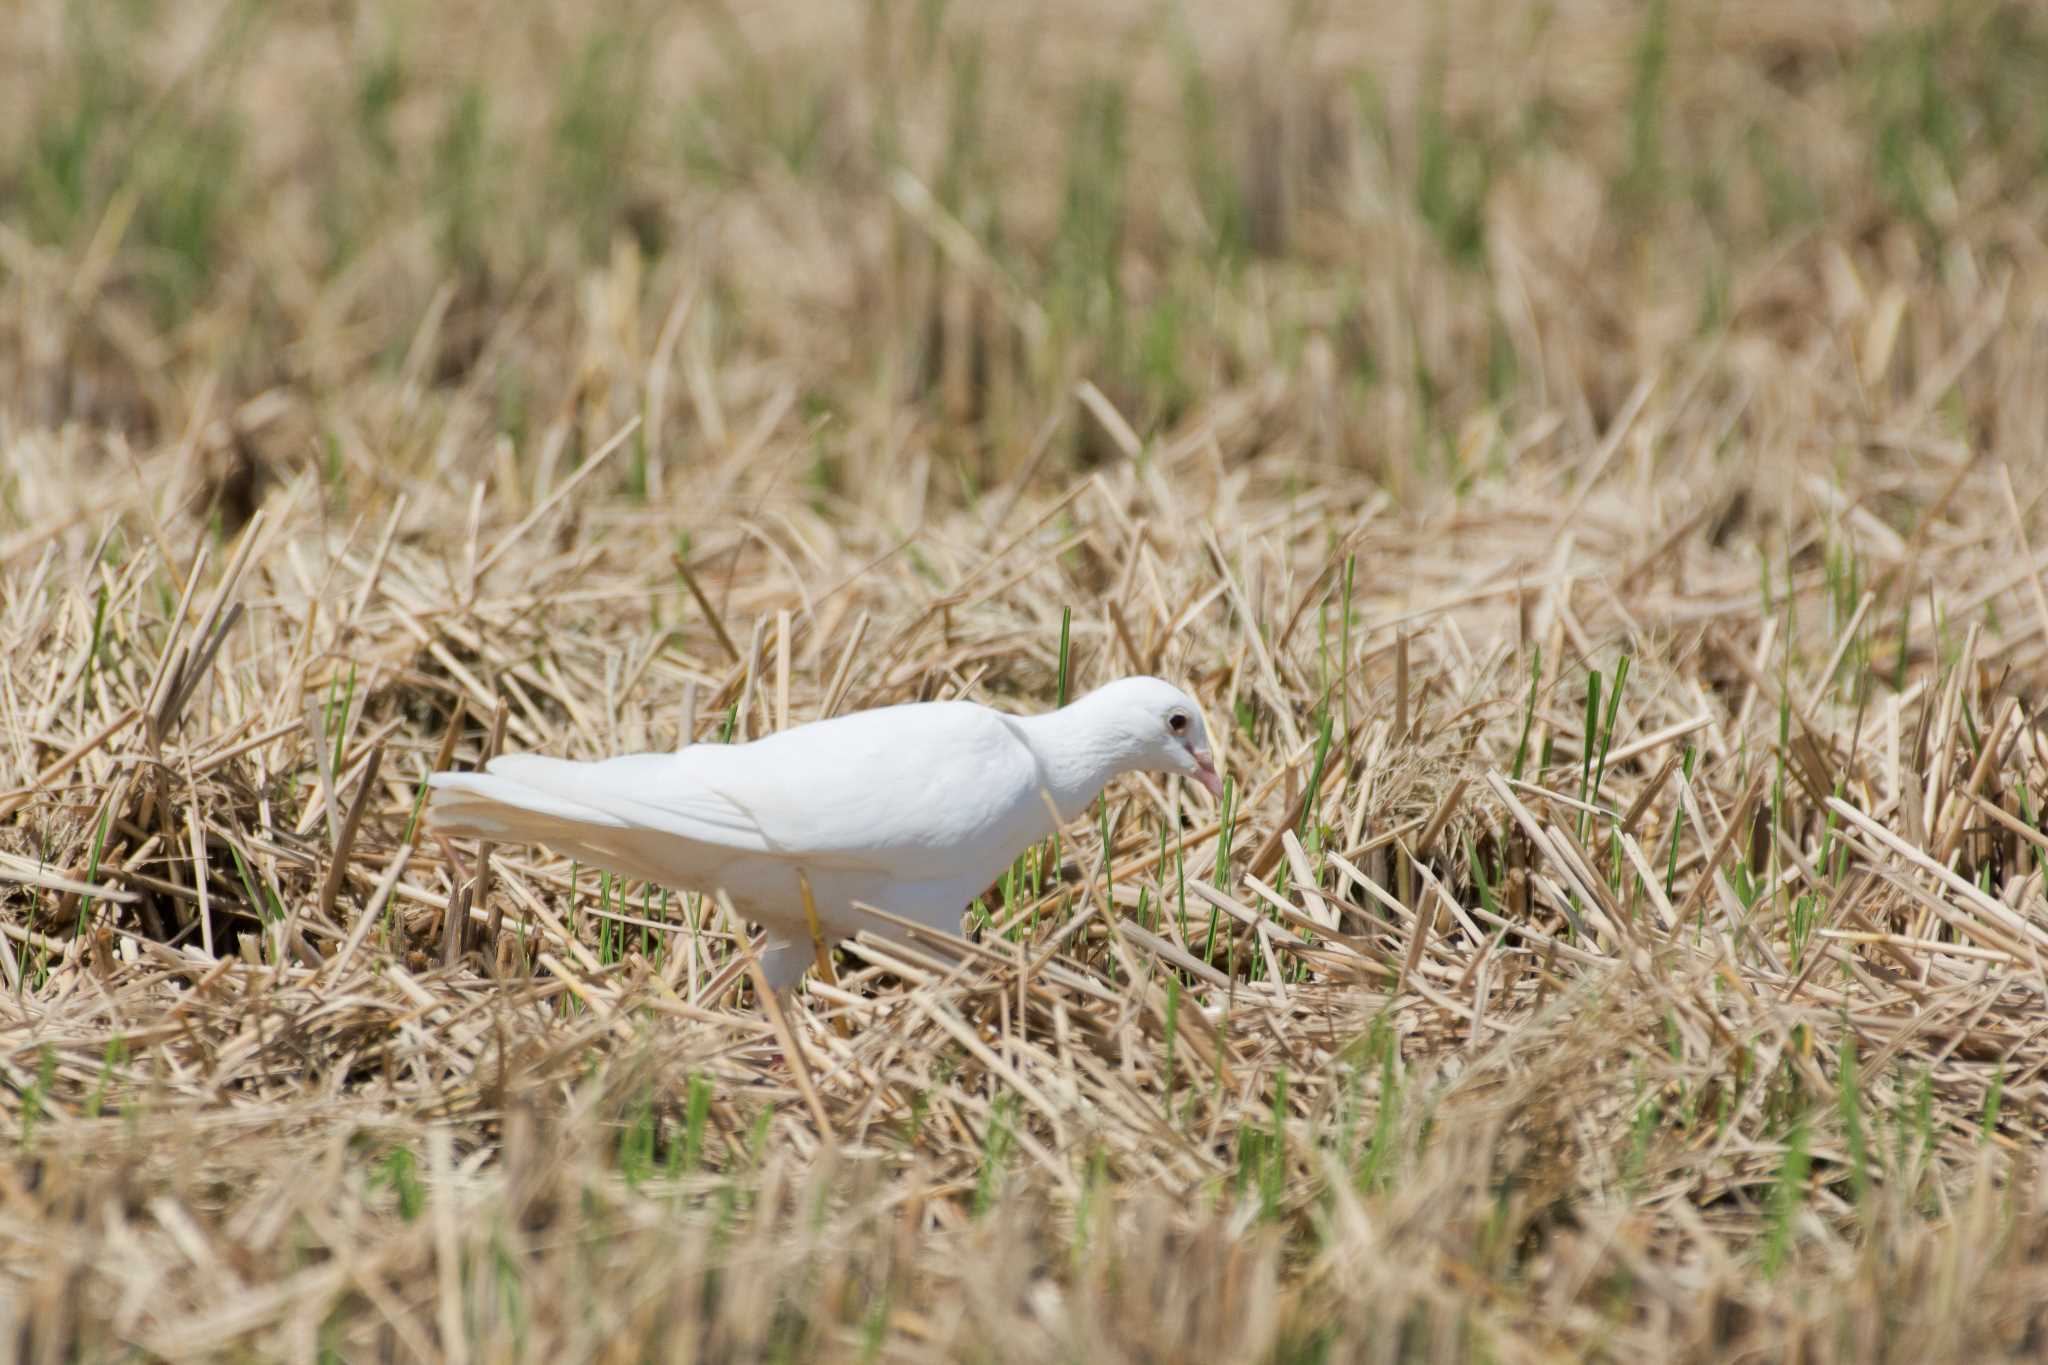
point(1079, 749)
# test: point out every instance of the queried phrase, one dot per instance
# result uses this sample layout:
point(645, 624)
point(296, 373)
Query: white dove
point(913, 809)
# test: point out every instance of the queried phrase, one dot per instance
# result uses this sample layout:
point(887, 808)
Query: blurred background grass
point(414, 228)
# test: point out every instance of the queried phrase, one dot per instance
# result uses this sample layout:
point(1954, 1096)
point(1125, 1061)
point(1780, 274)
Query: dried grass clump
point(1588, 463)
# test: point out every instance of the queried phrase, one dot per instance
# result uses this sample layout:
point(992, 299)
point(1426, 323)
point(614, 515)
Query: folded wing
point(916, 792)
point(632, 815)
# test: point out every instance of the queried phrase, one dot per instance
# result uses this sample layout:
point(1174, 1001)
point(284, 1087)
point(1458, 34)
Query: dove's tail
point(499, 805)
point(532, 799)
point(519, 801)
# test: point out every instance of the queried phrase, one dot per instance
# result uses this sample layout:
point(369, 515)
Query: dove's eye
point(1177, 722)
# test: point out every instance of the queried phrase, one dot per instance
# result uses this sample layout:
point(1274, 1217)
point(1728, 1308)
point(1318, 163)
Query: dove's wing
point(585, 811)
point(916, 792)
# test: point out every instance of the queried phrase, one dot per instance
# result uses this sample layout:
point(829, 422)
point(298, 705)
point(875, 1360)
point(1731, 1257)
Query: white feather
point(913, 809)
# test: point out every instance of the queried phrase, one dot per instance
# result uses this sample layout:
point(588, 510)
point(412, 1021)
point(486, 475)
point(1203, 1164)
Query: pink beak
point(1205, 773)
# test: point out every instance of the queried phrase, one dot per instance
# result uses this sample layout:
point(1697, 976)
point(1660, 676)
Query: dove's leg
point(780, 963)
point(783, 962)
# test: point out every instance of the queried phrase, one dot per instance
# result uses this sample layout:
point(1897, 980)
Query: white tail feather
point(507, 811)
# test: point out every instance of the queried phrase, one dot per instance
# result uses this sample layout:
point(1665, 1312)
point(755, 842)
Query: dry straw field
point(1586, 457)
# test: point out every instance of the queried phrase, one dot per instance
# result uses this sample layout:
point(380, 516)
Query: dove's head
point(1159, 729)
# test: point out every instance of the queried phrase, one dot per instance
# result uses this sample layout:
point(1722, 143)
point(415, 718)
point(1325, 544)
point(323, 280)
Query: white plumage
point(912, 809)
